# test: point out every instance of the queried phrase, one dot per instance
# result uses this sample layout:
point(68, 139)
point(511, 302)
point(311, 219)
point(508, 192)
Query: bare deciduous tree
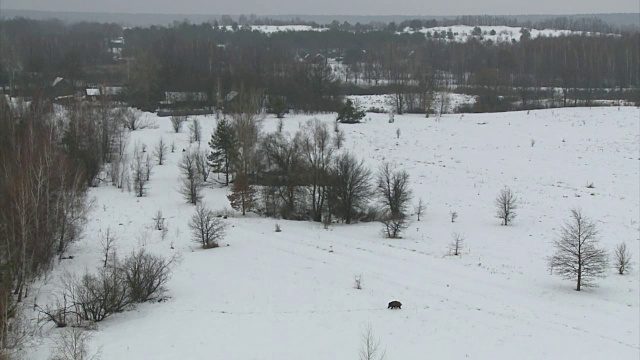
point(352, 187)
point(577, 255)
point(72, 344)
point(338, 139)
point(158, 221)
point(202, 165)
point(443, 102)
point(108, 241)
point(393, 225)
point(206, 228)
point(454, 216)
point(133, 120)
point(457, 242)
point(622, 258)
point(317, 149)
point(160, 151)
point(190, 180)
point(247, 128)
point(370, 348)
point(140, 170)
point(195, 131)
point(420, 208)
point(177, 121)
point(393, 189)
point(145, 275)
point(506, 205)
point(148, 166)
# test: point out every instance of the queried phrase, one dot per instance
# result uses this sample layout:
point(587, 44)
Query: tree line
point(296, 66)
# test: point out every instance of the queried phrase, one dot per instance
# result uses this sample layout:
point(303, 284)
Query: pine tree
point(350, 114)
point(243, 194)
point(277, 106)
point(222, 144)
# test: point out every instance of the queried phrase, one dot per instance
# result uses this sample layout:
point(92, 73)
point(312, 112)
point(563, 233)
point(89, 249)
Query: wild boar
point(395, 305)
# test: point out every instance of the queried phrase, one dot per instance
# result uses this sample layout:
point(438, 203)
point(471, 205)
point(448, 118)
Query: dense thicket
point(42, 201)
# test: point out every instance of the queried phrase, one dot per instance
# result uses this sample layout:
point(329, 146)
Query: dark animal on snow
point(395, 305)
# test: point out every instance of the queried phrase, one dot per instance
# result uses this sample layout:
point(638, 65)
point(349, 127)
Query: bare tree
point(108, 242)
point(190, 181)
point(140, 170)
point(195, 131)
point(454, 216)
point(160, 151)
point(72, 344)
point(247, 128)
point(243, 195)
point(338, 139)
point(420, 208)
point(177, 121)
point(133, 120)
point(393, 225)
point(506, 204)
point(280, 126)
point(577, 255)
point(443, 100)
point(393, 189)
point(457, 241)
point(317, 149)
point(94, 297)
point(148, 166)
point(145, 275)
point(202, 165)
point(622, 258)
point(158, 221)
point(206, 228)
point(370, 348)
point(351, 189)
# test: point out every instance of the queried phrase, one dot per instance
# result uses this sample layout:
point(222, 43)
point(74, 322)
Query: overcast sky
point(332, 7)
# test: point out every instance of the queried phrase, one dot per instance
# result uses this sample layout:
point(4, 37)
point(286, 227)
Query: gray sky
point(332, 7)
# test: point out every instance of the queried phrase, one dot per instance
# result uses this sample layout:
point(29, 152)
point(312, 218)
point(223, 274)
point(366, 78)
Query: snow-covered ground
point(386, 102)
point(463, 33)
point(290, 295)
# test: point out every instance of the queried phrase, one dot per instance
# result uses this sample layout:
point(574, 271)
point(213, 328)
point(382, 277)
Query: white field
point(386, 102)
point(462, 33)
point(286, 296)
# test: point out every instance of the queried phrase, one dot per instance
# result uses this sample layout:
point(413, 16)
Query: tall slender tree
point(222, 144)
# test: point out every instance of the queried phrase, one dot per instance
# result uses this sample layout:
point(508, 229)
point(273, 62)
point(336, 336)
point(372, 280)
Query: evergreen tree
point(222, 144)
point(349, 114)
point(277, 106)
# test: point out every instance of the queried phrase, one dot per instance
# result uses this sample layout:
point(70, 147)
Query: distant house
point(184, 97)
point(311, 59)
point(61, 88)
point(116, 46)
point(93, 93)
point(230, 96)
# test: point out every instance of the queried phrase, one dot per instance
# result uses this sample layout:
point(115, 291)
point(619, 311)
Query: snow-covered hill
point(290, 295)
point(462, 33)
point(269, 29)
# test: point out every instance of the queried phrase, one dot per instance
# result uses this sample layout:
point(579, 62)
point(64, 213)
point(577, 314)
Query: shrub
point(145, 275)
point(206, 228)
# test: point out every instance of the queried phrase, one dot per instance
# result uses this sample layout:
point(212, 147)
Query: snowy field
point(463, 33)
point(290, 295)
point(386, 102)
